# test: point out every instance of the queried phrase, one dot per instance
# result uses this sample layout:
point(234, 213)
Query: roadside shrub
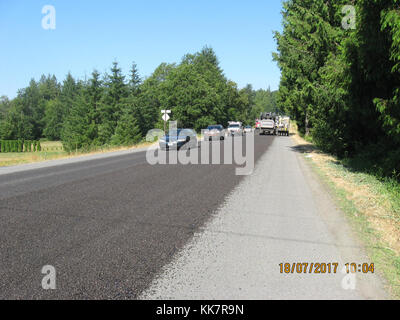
point(19, 146)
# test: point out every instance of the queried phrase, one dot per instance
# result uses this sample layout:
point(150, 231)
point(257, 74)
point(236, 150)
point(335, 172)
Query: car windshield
point(214, 128)
point(234, 126)
point(175, 133)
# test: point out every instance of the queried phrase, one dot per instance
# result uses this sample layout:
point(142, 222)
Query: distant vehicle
point(268, 116)
point(215, 132)
point(268, 127)
point(235, 129)
point(248, 129)
point(179, 139)
point(258, 124)
point(284, 126)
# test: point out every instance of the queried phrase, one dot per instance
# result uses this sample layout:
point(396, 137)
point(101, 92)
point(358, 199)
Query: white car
point(248, 129)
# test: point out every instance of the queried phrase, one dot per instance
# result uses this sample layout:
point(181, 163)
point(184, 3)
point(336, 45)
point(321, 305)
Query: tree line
point(340, 83)
point(115, 109)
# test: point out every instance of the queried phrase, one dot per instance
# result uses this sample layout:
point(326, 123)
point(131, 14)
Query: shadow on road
point(304, 148)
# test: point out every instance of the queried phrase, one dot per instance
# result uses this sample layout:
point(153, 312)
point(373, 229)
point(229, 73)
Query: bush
point(379, 159)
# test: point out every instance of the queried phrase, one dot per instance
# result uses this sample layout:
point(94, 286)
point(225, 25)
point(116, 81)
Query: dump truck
point(268, 124)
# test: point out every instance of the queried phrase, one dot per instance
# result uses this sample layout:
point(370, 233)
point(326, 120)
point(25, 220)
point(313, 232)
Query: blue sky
point(92, 34)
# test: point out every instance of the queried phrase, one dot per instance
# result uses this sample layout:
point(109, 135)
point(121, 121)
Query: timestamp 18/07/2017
point(326, 268)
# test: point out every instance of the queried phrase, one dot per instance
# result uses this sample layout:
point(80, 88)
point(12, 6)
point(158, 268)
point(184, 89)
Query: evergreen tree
point(128, 130)
point(58, 107)
point(79, 129)
point(134, 81)
point(111, 107)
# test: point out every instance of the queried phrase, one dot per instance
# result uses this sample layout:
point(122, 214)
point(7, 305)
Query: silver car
point(179, 139)
point(215, 132)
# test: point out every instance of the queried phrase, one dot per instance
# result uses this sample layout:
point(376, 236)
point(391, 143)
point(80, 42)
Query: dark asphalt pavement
point(108, 226)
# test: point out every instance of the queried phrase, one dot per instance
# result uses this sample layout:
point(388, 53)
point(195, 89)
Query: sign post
point(165, 117)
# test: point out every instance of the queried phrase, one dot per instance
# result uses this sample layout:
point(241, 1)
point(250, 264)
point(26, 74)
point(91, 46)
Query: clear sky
point(91, 34)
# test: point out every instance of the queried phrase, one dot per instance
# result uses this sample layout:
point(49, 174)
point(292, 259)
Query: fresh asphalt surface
point(108, 225)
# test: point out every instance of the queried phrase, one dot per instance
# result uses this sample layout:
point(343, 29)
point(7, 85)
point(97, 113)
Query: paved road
point(107, 225)
point(279, 214)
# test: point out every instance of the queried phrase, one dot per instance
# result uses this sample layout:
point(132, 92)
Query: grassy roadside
point(372, 207)
point(52, 150)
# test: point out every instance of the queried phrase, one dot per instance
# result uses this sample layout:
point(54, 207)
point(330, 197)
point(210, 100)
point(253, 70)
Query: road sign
point(165, 117)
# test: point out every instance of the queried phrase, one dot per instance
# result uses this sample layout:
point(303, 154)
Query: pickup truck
point(268, 127)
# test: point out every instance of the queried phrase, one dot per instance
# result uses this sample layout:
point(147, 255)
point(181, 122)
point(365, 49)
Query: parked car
point(214, 132)
point(179, 139)
point(235, 129)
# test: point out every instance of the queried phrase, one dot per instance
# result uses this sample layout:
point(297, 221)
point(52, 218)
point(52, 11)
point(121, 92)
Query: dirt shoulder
point(370, 208)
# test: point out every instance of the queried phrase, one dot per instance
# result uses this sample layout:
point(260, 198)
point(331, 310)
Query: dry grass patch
point(372, 209)
point(52, 150)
